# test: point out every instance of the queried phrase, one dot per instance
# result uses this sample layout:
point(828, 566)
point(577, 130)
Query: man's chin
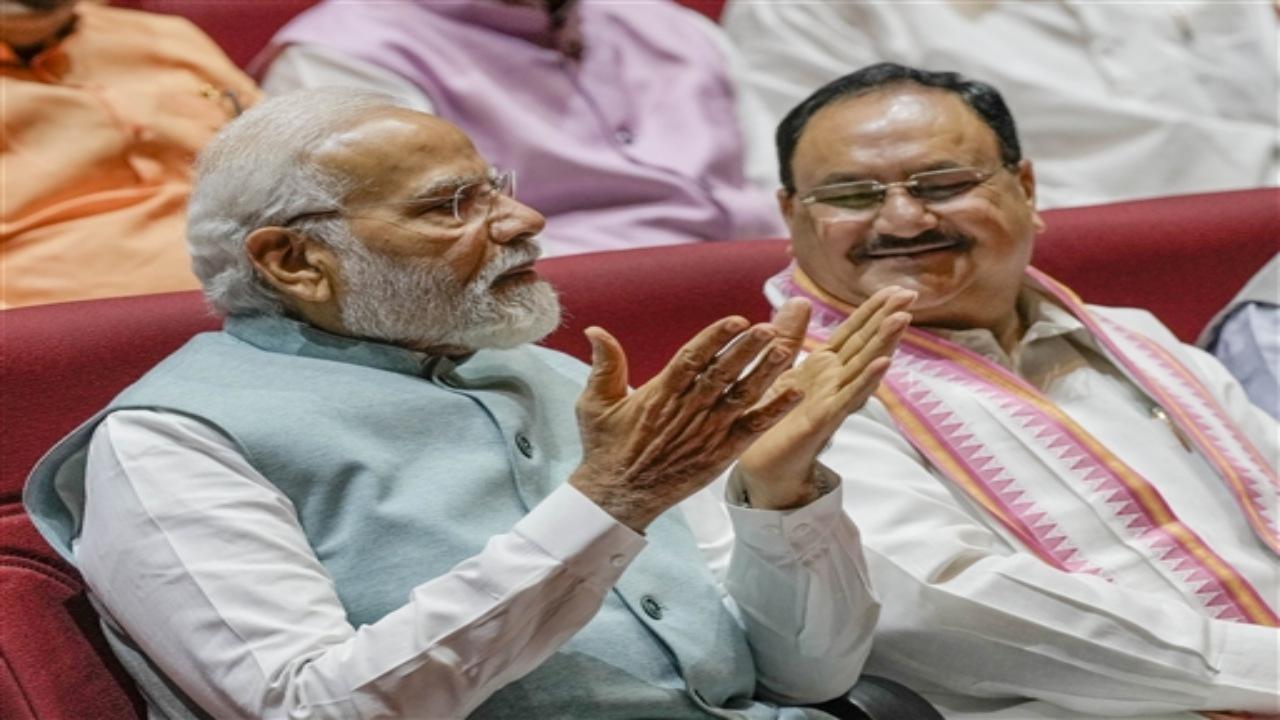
point(528, 319)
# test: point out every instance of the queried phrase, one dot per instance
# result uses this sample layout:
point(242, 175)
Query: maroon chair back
point(240, 27)
point(56, 363)
point(1183, 258)
point(1180, 257)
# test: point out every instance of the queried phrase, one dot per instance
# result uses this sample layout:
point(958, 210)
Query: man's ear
point(789, 205)
point(1027, 181)
point(786, 205)
point(299, 268)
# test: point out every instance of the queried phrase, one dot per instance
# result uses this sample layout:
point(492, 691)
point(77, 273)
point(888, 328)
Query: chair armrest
point(877, 698)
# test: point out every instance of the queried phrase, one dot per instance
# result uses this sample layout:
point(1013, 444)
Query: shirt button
point(803, 529)
point(772, 530)
point(651, 607)
point(617, 560)
point(524, 445)
point(624, 136)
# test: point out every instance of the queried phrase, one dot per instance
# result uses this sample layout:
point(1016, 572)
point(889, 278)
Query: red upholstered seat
point(240, 27)
point(1181, 257)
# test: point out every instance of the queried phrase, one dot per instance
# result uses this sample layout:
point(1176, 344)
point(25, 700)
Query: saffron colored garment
point(100, 131)
point(429, 564)
point(647, 139)
point(1113, 100)
point(983, 626)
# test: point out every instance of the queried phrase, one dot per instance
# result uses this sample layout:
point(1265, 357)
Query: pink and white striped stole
point(925, 364)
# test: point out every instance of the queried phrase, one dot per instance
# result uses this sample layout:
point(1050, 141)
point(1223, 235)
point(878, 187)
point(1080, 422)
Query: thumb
point(608, 378)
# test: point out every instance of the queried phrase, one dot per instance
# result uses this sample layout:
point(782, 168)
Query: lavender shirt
point(635, 144)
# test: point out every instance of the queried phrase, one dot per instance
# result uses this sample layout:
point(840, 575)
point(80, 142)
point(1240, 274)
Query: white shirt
point(1113, 100)
point(980, 624)
point(202, 562)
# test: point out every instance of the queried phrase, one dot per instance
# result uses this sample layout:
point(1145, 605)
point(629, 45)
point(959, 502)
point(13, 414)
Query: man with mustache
point(1067, 512)
point(104, 111)
point(371, 496)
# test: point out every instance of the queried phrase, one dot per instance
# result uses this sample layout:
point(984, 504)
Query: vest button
point(524, 445)
point(651, 607)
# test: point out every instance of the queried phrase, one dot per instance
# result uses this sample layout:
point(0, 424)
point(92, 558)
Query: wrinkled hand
point(648, 449)
point(836, 380)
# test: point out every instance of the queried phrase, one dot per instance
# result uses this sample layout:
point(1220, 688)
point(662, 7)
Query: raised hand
point(836, 379)
point(648, 449)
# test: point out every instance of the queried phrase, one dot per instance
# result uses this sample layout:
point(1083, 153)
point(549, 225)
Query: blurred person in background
point(104, 111)
point(1114, 100)
point(1245, 336)
point(625, 121)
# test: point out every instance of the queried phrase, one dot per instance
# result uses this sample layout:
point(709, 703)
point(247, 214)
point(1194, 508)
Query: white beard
point(418, 304)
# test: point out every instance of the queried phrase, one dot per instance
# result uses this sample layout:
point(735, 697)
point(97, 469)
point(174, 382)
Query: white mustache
point(527, 253)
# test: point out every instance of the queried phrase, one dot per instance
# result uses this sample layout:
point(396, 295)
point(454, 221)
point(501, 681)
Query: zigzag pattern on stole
point(1221, 432)
point(994, 475)
point(1181, 566)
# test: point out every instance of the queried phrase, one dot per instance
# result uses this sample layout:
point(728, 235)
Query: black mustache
point(880, 243)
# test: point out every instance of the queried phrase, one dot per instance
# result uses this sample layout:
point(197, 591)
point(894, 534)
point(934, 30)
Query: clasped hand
point(645, 450)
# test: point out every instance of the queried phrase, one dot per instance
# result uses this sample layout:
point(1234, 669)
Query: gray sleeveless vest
point(400, 466)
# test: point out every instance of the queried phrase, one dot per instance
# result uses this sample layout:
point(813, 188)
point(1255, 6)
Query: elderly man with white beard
point(370, 496)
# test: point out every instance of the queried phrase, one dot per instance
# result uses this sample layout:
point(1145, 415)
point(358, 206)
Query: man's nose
point(512, 220)
point(901, 214)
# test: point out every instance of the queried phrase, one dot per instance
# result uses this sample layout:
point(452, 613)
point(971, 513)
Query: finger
point(860, 315)
point(725, 370)
point(792, 322)
point(691, 360)
point(765, 415)
point(758, 383)
point(608, 379)
point(861, 336)
point(854, 395)
point(882, 346)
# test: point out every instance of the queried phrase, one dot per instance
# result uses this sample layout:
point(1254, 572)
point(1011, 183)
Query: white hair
point(256, 172)
point(424, 305)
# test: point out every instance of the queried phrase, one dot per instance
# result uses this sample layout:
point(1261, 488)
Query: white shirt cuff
point(589, 541)
point(777, 534)
point(1248, 669)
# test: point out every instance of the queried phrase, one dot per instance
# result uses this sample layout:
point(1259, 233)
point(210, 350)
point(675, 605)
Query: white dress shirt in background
point(1113, 100)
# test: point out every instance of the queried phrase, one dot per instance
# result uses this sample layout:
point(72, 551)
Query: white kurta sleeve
point(966, 612)
point(203, 563)
point(310, 66)
point(799, 583)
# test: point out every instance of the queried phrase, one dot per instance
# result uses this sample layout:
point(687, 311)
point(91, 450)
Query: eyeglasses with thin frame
point(863, 197)
point(470, 202)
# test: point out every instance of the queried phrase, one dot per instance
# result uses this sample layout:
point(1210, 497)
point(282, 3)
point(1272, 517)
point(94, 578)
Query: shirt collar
point(1042, 318)
point(279, 334)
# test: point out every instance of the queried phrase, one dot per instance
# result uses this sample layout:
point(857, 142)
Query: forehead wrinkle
point(861, 137)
